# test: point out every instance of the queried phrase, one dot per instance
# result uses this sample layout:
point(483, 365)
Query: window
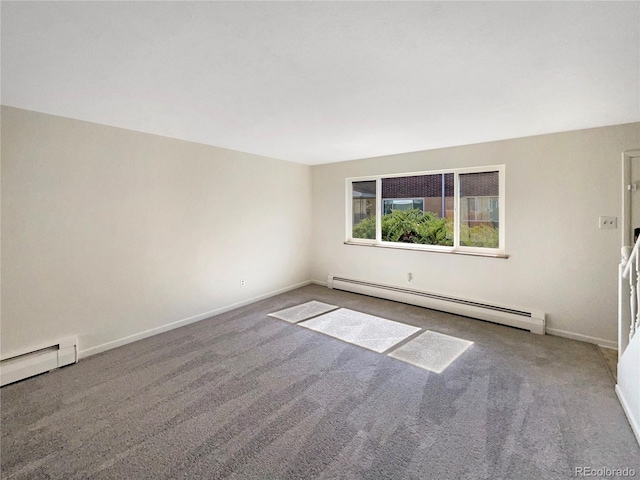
point(454, 210)
point(364, 209)
point(480, 209)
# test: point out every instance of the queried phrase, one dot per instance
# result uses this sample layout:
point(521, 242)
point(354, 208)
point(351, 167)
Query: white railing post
point(624, 312)
point(633, 284)
point(635, 320)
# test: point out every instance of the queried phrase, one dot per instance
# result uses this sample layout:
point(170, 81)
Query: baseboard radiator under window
point(527, 320)
point(38, 360)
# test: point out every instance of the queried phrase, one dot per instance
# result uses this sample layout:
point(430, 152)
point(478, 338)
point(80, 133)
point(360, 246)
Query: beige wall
point(107, 233)
point(560, 262)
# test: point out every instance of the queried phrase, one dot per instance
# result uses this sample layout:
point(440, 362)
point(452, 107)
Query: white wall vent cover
point(527, 320)
point(38, 360)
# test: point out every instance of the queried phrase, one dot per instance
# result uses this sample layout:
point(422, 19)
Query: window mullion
point(349, 210)
point(456, 210)
point(501, 208)
point(380, 210)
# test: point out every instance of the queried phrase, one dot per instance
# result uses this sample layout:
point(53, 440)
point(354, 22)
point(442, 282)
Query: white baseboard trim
point(196, 318)
point(583, 338)
point(635, 426)
point(181, 323)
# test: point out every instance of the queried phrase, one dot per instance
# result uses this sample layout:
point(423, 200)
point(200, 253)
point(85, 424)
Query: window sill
point(422, 249)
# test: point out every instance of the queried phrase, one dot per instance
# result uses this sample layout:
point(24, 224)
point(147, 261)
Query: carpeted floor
point(245, 395)
point(611, 358)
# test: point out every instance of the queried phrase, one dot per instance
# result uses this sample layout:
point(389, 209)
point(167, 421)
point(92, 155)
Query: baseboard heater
point(532, 321)
point(38, 360)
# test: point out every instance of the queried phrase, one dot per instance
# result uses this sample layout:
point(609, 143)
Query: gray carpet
point(244, 395)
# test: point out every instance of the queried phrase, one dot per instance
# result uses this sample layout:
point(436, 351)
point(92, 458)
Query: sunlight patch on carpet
point(374, 333)
point(432, 351)
point(303, 312)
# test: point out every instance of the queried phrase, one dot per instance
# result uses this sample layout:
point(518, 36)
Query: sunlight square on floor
point(432, 351)
point(368, 331)
point(303, 311)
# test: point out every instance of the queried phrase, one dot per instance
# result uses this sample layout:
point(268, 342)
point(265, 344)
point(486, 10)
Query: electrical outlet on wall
point(607, 223)
point(242, 283)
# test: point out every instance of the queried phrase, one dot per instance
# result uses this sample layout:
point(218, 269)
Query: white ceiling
point(318, 82)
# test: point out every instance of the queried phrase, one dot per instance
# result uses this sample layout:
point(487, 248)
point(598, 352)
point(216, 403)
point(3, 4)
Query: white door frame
point(627, 230)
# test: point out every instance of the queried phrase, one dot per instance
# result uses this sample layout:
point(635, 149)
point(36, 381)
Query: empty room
point(333, 240)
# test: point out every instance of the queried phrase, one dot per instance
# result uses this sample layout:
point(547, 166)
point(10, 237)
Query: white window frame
point(456, 248)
